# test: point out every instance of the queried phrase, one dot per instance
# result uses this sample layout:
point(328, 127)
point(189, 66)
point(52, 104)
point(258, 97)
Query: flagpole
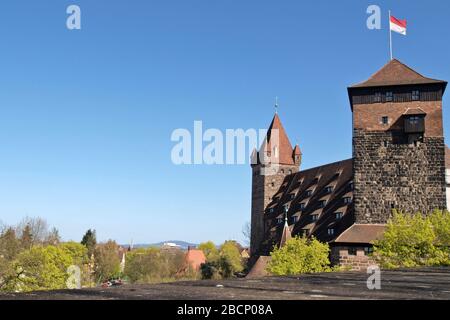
point(390, 34)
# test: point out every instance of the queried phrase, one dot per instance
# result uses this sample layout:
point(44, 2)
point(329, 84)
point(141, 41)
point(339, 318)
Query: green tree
point(414, 240)
point(153, 265)
point(107, 262)
point(41, 268)
point(26, 239)
point(9, 244)
point(300, 255)
point(231, 260)
point(210, 250)
point(90, 241)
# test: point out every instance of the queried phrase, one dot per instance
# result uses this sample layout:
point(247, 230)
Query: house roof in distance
point(396, 73)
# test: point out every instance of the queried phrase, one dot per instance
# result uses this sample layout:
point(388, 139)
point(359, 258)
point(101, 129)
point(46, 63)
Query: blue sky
point(86, 116)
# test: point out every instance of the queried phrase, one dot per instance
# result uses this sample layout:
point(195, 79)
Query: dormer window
point(280, 220)
point(314, 217)
point(339, 215)
point(322, 203)
point(416, 95)
point(330, 231)
point(385, 120)
point(389, 96)
point(292, 196)
point(294, 219)
point(271, 210)
point(329, 189)
point(351, 185)
point(347, 200)
point(302, 206)
point(308, 193)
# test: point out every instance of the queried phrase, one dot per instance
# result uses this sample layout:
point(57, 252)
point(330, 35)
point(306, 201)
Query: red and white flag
point(398, 25)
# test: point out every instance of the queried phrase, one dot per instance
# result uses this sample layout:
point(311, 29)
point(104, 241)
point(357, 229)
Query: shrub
point(300, 255)
point(412, 240)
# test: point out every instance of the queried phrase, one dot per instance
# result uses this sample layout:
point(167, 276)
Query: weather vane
point(276, 104)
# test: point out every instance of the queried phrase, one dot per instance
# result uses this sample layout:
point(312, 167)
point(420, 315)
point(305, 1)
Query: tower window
point(415, 95)
point(389, 96)
point(385, 120)
point(330, 231)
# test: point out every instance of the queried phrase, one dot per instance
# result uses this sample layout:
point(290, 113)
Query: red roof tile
point(361, 233)
point(277, 145)
point(395, 73)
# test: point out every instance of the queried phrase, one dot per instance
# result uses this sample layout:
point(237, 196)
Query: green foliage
point(153, 265)
point(210, 250)
point(90, 241)
point(223, 264)
point(300, 255)
point(41, 268)
point(412, 240)
point(76, 251)
point(107, 263)
point(9, 244)
point(230, 258)
point(26, 240)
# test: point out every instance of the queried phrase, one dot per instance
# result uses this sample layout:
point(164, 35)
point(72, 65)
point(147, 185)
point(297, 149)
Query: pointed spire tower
point(287, 233)
point(271, 165)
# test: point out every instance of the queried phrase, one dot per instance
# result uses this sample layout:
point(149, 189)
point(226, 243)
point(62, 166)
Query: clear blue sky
point(86, 116)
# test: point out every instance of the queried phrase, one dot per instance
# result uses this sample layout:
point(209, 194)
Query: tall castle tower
point(398, 143)
point(275, 160)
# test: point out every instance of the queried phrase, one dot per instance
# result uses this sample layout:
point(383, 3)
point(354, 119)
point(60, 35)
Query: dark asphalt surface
point(424, 283)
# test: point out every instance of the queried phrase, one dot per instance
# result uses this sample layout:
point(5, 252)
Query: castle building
point(399, 162)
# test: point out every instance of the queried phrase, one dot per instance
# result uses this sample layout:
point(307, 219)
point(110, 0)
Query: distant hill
point(182, 244)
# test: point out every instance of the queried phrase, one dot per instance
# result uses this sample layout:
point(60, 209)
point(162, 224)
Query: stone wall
point(359, 262)
point(391, 174)
point(266, 182)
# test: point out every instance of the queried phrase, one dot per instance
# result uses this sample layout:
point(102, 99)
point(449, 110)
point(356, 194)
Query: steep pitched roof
point(277, 143)
point(303, 205)
point(396, 73)
point(286, 235)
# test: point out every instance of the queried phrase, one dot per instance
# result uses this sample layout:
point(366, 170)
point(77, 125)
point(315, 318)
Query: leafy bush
point(412, 240)
point(153, 265)
point(300, 255)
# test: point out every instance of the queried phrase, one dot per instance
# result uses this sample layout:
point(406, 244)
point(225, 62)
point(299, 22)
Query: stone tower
point(275, 160)
point(398, 143)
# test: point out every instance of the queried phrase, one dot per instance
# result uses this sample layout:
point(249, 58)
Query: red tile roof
point(277, 145)
point(361, 233)
point(396, 73)
point(195, 257)
point(339, 175)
